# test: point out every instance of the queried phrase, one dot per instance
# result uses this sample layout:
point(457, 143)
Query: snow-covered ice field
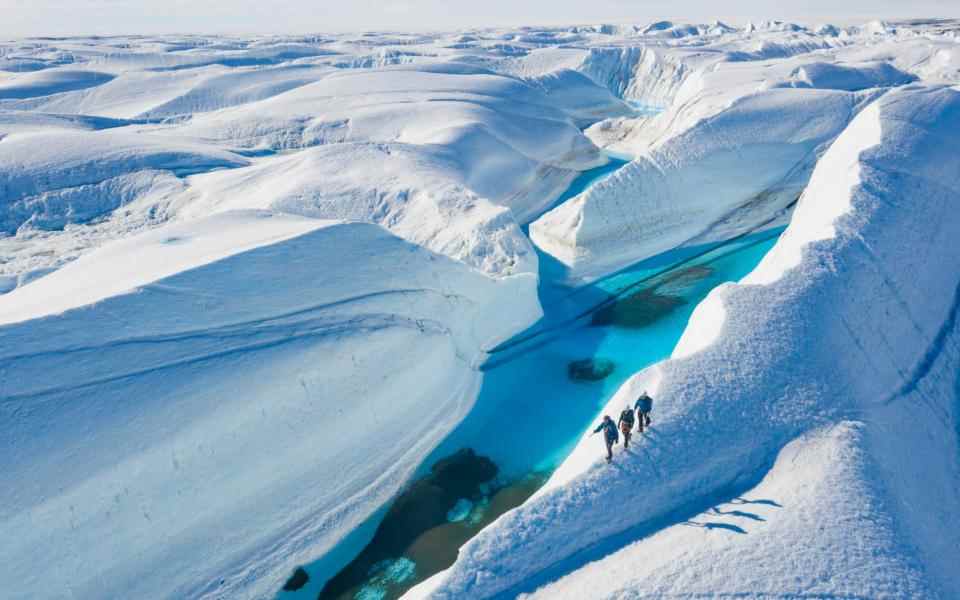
point(248, 285)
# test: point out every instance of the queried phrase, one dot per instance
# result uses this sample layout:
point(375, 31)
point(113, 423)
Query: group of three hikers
point(643, 406)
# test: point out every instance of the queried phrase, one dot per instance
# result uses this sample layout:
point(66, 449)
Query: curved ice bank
point(194, 411)
point(845, 338)
point(723, 176)
point(517, 143)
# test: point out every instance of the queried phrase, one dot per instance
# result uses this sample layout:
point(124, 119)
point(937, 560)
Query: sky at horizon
point(23, 18)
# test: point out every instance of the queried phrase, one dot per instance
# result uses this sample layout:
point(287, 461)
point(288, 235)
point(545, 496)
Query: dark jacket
point(626, 417)
point(644, 403)
point(609, 431)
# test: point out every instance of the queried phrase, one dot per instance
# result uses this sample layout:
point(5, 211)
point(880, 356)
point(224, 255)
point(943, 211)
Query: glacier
point(251, 285)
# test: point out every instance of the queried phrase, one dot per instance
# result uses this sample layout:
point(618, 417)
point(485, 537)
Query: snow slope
point(279, 376)
point(725, 176)
point(866, 416)
point(417, 193)
point(54, 177)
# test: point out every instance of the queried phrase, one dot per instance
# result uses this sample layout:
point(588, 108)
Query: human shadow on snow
point(712, 526)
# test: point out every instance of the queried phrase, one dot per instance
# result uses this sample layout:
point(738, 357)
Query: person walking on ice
point(626, 425)
point(610, 435)
point(643, 405)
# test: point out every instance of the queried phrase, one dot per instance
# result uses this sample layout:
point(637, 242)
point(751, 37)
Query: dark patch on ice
point(422, 507)
point(296, 581)
point(590, 369)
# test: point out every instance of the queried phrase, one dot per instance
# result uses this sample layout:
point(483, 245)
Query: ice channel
point(541, 391)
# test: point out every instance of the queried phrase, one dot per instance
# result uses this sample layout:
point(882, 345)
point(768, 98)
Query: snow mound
point(419, 193)
point(831, 76)
point(724, 176)
point(52, 178)
point(745, 381)
point(418, 104)
point(280, 376)
point(45, 83)
point(223, 90)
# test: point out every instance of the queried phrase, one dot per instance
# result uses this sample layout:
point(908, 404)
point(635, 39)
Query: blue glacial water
point(532, 410)
point(541, 391)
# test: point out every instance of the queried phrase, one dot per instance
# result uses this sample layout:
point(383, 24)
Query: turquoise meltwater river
point(541, 391)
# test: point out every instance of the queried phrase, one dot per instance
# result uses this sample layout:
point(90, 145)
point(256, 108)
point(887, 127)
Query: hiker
point(610, 435)
point(626, 425)
point(643, 405)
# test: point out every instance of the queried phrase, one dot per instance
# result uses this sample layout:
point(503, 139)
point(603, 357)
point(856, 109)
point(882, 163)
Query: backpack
point(645, 404)
point(611, 432)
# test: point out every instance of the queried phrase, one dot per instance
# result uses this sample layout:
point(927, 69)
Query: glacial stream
point(541, 391)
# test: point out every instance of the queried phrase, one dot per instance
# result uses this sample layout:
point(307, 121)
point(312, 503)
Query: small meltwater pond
point(541, 392)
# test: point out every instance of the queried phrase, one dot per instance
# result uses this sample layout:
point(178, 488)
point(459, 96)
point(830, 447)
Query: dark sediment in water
point(590, 369)
point(437, 548)
point(655, 302)
point(296, 581)
point(678, 281)
point(638, 310)
point(422, 507)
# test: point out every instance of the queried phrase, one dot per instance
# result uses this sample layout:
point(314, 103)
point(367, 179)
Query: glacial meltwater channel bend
point(541, 392)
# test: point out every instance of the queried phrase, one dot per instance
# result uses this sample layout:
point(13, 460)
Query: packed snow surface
point(246, 285)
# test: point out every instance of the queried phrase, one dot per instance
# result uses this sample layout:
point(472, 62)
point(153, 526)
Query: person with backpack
point(643, 405)
point(610, 435)
point(626, 425)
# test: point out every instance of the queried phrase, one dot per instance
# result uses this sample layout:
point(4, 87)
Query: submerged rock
point(590, 369)
point(638, 310)
point(296, 581)
point(426, 504)
point(683, 278)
